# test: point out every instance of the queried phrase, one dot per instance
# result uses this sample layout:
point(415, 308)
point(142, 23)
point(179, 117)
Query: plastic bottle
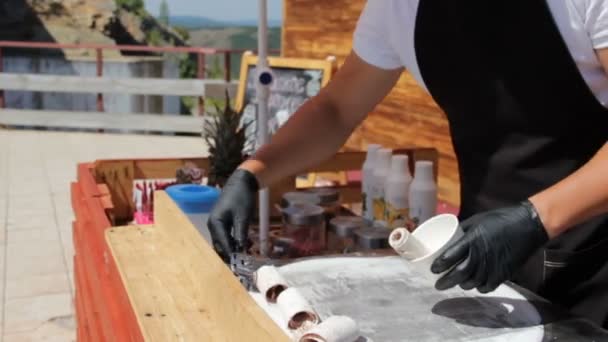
point(397, 192)
point(383, 165)
point(423, 193)
point(366, 180)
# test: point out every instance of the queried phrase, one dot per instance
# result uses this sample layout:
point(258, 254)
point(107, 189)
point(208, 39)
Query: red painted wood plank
point(84, 230)
point(121, 297)
point(91, 314)
point(107, 292)
point(86, 180)
point(87, 317)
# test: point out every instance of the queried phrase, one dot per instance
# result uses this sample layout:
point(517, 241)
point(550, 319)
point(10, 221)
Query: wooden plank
point(103, 190)
point(119, 177)
point(81, 322)
point(344, 161)
point(178, 286)
point(353, 160)
point(88, 317)
point(135, 86)
point(107, 121)
point(89, 241)
point(86, 181)
point(121, 299)
point(165, 168)
point(106, 201)
point(97, 317)
point(205, 267)
point(104, 295)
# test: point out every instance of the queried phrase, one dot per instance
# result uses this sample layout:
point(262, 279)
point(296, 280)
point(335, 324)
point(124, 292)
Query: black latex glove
point(234, 209)
point(495, 244)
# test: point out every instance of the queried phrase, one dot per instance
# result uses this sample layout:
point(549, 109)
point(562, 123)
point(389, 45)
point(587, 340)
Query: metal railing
point(200, 52)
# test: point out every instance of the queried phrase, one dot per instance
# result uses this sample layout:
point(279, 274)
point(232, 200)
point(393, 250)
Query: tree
point(131, 5)
point(154, 37)
point(183, 32)
point(163, 16)
point(216, 71)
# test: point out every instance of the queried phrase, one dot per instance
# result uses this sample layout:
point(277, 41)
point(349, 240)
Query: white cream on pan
point(427, 242)
point(296, 309)
point(334, 329)
point(270, 283)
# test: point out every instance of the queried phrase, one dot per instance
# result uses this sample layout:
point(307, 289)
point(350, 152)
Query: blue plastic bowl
point(194, 199)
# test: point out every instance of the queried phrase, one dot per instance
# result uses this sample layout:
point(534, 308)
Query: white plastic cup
point(431, 238)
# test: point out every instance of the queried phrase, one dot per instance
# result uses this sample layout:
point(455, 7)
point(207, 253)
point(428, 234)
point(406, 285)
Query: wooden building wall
point(407, 117)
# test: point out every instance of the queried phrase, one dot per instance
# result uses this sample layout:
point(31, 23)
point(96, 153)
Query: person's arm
point(314, 133)
point(322, 125)
point(580, 197)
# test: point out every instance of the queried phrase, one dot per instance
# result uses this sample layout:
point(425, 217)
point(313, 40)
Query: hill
point(198, 22)
point(241, 37)
point(233, 37)
point(193, 22)
point(107, 22)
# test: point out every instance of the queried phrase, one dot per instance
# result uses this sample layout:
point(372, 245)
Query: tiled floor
point(36, 269)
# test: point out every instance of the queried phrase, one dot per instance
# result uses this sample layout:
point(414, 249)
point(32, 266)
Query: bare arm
point(322, 125)
point(582, 195)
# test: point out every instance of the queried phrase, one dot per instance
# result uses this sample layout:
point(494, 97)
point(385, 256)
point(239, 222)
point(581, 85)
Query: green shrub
point(154, 37)
point(183, 32)
point(131, 5)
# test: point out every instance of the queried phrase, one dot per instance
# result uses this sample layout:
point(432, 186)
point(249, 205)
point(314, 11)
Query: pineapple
point(225, 134)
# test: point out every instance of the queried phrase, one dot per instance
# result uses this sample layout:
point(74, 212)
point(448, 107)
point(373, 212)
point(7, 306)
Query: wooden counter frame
point(102, 198)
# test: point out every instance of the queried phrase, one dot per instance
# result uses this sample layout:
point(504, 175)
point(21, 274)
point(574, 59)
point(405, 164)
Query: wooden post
point(1, 90)
point(227, 66)
point(99, 59)
point(201, 75)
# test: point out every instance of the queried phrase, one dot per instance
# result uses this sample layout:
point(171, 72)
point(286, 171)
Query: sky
point(221, 10)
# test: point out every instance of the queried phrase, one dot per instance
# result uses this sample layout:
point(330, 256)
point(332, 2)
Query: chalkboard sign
point(295, 81)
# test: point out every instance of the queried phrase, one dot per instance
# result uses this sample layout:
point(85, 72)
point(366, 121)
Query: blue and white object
point(265, 79)
point(196, 201)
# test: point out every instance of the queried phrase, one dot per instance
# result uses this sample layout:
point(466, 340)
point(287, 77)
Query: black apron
point(522, 118)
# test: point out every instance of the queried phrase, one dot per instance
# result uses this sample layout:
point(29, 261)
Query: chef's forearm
point(580, 197)
point(315, 133)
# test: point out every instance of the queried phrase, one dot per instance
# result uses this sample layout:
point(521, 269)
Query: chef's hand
point(494, 245)
point(234, 209)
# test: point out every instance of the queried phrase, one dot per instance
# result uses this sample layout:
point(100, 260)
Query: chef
point(524, 84)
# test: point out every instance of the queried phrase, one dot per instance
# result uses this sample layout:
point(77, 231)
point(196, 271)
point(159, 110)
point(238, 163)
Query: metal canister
point(293, 197)
point(341, 236)
point(329, 200)
point(372, 238)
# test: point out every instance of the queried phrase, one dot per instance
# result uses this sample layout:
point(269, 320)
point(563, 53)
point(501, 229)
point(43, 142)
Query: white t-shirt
point(385, 36)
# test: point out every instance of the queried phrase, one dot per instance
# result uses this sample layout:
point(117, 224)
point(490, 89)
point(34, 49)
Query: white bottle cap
point(424, 170)
point(383, 159)
point(372, 151)
point(399, 165)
